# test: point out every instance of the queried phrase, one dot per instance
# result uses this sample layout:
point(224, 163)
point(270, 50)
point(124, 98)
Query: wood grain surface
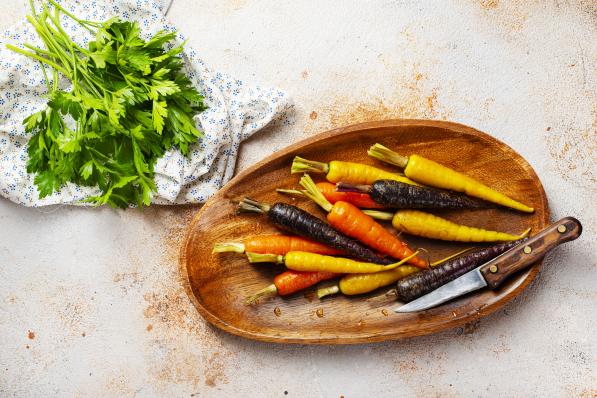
point(218, 283)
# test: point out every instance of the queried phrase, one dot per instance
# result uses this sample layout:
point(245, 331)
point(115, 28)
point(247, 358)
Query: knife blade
point(467, 283)
point(496, 271)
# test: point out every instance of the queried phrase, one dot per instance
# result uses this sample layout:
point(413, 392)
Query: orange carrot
point(359, 199)
point(290, 282)
point(328, 190)
point(351, 221)
point(275, 244)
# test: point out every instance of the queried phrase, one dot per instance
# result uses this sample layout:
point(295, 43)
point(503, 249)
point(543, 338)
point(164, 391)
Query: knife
point(495, 271)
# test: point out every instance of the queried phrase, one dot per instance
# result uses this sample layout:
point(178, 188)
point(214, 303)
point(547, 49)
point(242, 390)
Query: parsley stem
point(39, 50)
point(50, 43)
point(82, 22)
point(55, 79)
point(39, 58)
point(43, 69)
point(67, 40)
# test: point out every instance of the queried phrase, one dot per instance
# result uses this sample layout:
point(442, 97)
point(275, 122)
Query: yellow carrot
point(353, 173)
point(364, 283)
point(430, 173)
point(427, 225)
point(303, 261)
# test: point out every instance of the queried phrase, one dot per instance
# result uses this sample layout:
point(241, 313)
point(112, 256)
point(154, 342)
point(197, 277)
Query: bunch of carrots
point(352, 246)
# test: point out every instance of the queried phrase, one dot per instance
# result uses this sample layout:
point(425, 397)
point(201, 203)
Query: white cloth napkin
point(236, 111)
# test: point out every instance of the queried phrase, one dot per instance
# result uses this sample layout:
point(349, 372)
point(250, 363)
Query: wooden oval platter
point(218, 283)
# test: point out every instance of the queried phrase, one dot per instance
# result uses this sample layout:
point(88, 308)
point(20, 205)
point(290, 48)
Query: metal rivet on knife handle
point(493, 269)
point(527, 250)
point(562, 229)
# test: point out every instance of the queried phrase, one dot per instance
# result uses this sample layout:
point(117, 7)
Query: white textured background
point(90, 299)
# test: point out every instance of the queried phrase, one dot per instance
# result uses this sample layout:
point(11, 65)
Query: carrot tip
point(451, 256)
point(524, 234)
point(399, 263)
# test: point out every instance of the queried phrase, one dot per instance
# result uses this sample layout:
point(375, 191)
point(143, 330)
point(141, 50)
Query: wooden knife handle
point(530, 251)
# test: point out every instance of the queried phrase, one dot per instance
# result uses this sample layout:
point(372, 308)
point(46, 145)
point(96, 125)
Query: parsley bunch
point(129, 103)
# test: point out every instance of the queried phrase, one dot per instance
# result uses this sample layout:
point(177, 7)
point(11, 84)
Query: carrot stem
point(225, 247)
point(292, 192)
point(333, 195)
point(386, 155)
point(328, 290)
point(314, 194)
point(265, 292)
point(265, 258)
point(346, 187)
point(248, 205)
point(301, 165)
point(380, 215)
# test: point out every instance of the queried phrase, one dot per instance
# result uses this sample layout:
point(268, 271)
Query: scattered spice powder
point(488, 4)
point(313, 115)
point(31, 335)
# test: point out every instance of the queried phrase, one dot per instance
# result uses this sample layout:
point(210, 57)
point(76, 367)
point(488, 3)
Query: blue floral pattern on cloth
point(236, 111)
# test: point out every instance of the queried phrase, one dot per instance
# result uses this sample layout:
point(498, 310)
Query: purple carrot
point(421, 283)
point(398, 195)
point(298, 221)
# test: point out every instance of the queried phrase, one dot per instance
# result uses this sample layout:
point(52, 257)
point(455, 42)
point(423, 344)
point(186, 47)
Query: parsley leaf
point(47, 182)
point(86, 170)
point(158, 113)
point(66, 103)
